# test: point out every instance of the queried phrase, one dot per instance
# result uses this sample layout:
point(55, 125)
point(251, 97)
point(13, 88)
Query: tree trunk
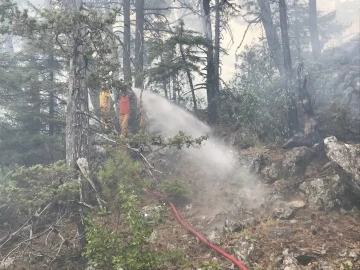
point(51, 101)
point(271, 35)
point(127, 40)
point(297, 28)
point(293, 119)
point(210, 73)
point(188, 74)
point(313, 27)
point(217, 48)
point(139, 43)
point(9, 47)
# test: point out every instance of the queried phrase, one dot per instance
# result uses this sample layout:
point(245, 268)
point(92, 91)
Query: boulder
point(214, 237)
point(296, 161)
point(289, 261)
point(326, 194)
point(345, 159)
point(247, 250)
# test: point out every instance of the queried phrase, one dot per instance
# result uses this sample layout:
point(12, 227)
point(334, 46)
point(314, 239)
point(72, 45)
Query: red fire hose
point(198, 235)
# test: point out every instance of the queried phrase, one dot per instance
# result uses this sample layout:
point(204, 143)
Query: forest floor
point(319, 240)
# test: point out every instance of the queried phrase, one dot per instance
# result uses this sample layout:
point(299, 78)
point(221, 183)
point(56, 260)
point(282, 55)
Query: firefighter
point(123, 95)
point(105, 108)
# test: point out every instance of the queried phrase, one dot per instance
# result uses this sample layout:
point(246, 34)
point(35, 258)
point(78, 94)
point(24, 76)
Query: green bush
point(28, 189)
point(177, 190)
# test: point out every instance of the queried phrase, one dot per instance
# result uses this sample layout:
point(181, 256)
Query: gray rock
point(346, 161)
point(296, 161)
point(283, 211)
point(231, 226)
point(356, 84)
point(247, 250)
point(272, 173)
point(5, 264)
point(289, 261)
point(341, 87)
point(298, 204)
point(318, 195)
point(258, 163)
point(324, 265)
point(214, 237)
point(153, 237)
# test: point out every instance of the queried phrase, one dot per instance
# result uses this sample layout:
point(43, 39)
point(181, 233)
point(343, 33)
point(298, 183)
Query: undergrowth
point(124, 245)
point(177, 190)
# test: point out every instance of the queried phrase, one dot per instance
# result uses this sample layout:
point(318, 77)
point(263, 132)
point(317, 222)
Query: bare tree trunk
point(188, 74)
point(313, 27)
point(127, 40)
point(210, 74)
point(51, 99)
point(297, 30)
point(139, 43)
point(271, 35)
point(293, 119)
point(165, 89)
point(9, 47)
point(217, 48)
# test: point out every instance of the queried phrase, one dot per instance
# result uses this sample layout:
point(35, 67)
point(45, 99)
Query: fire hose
point(195, 233)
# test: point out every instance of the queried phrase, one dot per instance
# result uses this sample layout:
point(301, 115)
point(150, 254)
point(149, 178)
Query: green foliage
point(258, 101)
point(210, 266)
point(126, 247)
point(177, 190)
point(28, 189)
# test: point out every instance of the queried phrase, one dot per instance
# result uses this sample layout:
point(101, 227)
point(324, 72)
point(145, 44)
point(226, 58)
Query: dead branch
point(84, 168)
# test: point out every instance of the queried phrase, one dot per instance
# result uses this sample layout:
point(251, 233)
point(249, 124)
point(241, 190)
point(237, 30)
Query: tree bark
point(51, 100)
point(293, 119)
point(9, 47)
point(188, 74)
point(271, 35)
point(139, 43)
point(217, 48)
point(77, 109)
point(210, 73)
point(127, 40)
point(313, 28)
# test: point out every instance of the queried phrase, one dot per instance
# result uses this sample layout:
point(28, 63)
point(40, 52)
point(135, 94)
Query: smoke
point(166, 118)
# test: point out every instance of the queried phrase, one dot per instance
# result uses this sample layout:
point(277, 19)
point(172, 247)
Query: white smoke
point(168, 119)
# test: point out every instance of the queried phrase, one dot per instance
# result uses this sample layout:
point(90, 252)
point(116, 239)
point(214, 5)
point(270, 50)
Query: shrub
point(177, 190)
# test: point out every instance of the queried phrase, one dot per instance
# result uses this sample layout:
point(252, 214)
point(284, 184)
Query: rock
point(247, 250)
point(297, 204)
point(356, 84)
point(214, 237)
point(283, 212)
point(304, 257)
point(271, 173)
point(324, 265)
point(231, 226)
point(296, 161)
point(153, 237)
point(258, 163)
point(346, 161)
point(341, 87)
point(289, 261)
point(170, 246)
point(5, 264)
point(354, 254)
point(345, 265)
point(318, 195)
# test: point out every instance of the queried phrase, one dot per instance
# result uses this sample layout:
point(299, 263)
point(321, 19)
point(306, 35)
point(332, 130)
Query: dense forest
point(179, 134)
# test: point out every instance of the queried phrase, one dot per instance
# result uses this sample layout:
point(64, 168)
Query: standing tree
point(127, 41)
point(293, 119)
point(139, 43)
point(77, 109)
point(313, 27)
point(271, 35)
point(210, 66)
